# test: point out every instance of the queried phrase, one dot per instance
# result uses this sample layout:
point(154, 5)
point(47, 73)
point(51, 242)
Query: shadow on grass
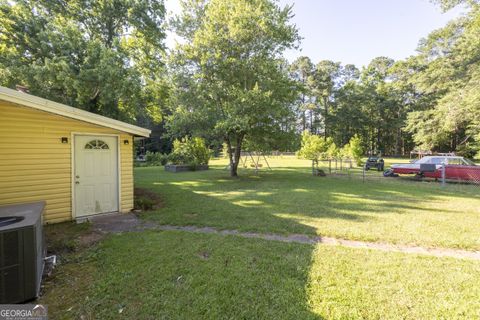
point(291, 200)
point(257, 203)
point(181, 275)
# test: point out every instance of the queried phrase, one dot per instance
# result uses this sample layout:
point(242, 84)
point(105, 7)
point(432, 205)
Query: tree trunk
point(230, 154)
point(398, 141)
point(311, 122)
point(234, 155)
point(325, 120)
point(379, 139)
point(304, 119)
point(372, 141)
point(234, 166)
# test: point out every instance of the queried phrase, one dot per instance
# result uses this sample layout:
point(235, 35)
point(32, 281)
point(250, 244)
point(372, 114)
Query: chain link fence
point(373, 171)
point(444, 175)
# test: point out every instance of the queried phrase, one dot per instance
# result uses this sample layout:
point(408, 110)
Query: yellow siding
point(35, 165)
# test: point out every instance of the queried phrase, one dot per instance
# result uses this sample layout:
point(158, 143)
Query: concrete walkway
point(115, 223)
point(120, 222)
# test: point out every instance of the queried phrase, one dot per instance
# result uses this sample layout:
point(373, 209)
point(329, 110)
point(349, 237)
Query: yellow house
point(78, 162)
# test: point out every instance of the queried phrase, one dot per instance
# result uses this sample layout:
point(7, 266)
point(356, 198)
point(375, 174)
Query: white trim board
point(38, 103)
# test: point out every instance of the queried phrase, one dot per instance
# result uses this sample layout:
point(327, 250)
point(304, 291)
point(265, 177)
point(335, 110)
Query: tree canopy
point(228, 82)
point(231, 81)
point(447, 71)
point(104, 56)
point(429, 101)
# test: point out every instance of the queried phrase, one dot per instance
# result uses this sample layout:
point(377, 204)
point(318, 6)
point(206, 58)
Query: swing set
point(254, 160)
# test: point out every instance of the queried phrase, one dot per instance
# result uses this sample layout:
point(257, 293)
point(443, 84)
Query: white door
point(95, 175)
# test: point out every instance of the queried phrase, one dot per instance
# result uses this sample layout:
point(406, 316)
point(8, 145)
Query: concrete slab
point(119, 222)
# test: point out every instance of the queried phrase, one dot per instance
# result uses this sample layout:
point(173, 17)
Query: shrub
point(333, 152)
point(345, 152)
point(316, 148)
point(155, 159)
point(192, 152)
point(355, 149)
point(201, 154)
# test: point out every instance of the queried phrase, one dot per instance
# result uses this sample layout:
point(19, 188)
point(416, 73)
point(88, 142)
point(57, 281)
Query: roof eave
point(35, 102)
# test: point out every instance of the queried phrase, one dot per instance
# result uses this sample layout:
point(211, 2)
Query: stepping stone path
point(116, 223)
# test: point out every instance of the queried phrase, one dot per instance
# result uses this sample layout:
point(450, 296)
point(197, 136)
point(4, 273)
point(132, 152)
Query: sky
point(356, 31)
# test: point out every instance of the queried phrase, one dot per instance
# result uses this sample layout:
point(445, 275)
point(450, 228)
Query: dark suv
point(374, 162)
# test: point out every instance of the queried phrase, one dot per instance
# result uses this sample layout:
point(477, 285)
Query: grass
point(289, 199)
point(181, 275)
point(177, 275)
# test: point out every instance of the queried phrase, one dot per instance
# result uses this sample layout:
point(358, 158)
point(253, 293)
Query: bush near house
point(156, 158)
point(190, 151)
point(152, 159)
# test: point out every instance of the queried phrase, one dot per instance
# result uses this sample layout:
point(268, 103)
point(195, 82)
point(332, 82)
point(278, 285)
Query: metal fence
point(444, 175)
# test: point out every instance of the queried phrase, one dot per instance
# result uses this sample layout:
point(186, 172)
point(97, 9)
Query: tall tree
point(229, 73)
point(449, 73)
point(103, 56)
point(325, 80)
point(301, 71)
point(348, 117)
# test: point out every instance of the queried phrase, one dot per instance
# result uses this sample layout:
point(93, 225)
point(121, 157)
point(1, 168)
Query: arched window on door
point(96, 144)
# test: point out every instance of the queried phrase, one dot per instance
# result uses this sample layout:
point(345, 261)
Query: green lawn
point(181, 275)
point(289, 199)
point(178, 275)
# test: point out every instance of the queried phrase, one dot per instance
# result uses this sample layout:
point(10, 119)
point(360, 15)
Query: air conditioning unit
point(22, 252)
